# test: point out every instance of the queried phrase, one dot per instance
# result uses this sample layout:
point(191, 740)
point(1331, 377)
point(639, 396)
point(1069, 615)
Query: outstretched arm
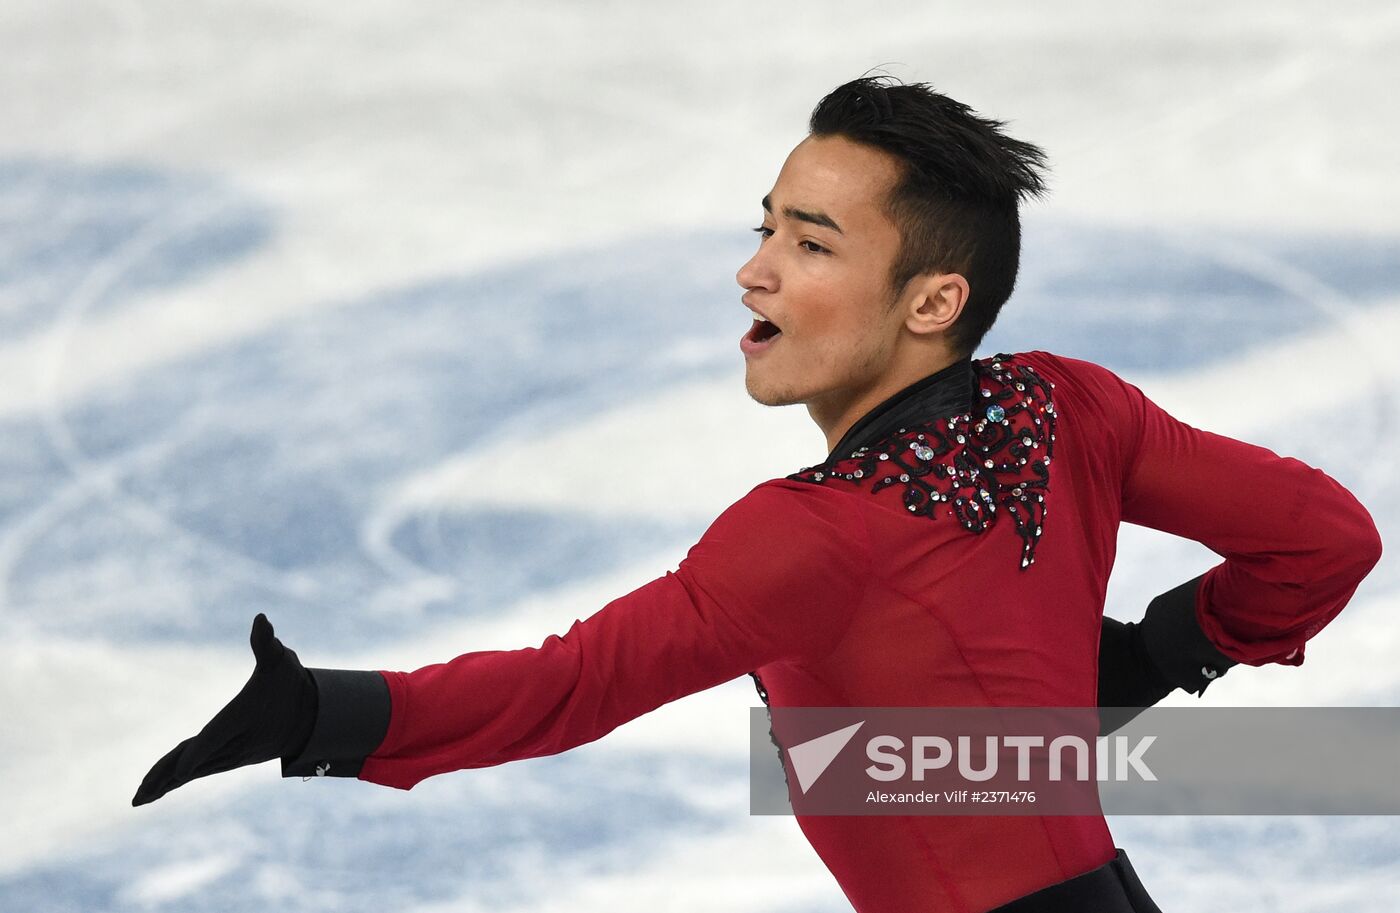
point(777, 576)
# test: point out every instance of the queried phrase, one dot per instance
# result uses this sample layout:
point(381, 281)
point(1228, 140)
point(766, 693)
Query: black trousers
point(1111, 888)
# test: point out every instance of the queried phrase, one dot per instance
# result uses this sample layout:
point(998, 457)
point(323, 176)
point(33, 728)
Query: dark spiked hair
point(956, 200)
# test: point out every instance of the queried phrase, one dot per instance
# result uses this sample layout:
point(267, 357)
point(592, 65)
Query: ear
point(934, 301)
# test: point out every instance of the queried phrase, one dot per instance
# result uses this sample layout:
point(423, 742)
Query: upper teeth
point(760, 317)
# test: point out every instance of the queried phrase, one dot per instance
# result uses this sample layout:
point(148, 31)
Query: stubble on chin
point(768, 394)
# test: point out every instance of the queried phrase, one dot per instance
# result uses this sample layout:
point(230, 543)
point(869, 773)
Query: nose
point(758, 272)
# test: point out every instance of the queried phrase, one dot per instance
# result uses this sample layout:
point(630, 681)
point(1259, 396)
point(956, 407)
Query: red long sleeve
point(776, 577)
point(1296, 544)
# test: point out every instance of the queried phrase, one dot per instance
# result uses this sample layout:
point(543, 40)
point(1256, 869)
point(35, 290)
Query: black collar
point(942, 394)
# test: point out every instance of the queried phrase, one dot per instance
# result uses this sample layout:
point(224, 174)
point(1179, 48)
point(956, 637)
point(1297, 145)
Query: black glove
point(1177, 645)
point(1129, 681)
point(1139, 664)
point(272, 717)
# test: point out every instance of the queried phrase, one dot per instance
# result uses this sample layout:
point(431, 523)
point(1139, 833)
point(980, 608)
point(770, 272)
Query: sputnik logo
point(811, 758)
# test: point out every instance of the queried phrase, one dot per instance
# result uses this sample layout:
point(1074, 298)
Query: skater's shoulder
point(1079, 376)
point(1043, 360)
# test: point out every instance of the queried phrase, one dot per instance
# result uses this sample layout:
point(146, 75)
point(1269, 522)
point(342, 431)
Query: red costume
point(958, 560)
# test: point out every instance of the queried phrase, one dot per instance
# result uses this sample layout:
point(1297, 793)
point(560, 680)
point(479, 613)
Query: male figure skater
point(952, 550)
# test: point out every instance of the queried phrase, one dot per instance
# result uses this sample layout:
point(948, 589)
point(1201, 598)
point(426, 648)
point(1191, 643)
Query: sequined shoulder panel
point(974, 466)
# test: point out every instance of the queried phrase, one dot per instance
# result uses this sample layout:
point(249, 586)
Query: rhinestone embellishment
point(964, 468)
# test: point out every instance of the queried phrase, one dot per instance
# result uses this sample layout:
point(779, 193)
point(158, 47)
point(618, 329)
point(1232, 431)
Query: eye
point(764, 230)
point(815, 248)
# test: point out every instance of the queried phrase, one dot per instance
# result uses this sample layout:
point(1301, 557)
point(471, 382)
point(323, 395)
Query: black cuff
point(1129, 682)
point(1177, 645)
point(352, 718)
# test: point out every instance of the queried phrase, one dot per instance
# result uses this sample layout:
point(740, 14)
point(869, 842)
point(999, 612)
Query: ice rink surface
point(352, 313)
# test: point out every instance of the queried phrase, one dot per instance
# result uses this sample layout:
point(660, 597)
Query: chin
point(768, 394)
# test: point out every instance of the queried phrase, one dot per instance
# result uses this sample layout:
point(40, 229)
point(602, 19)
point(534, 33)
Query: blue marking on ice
point(1353, 851)
point(1135, 299)
point(499, 554)
point(240, 467)
point(61, 220)
point(348, 846)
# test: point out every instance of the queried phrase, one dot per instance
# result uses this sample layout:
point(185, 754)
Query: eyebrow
point(803, 215)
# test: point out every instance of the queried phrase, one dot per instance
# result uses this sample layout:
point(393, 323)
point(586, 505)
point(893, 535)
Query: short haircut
point(956, 200)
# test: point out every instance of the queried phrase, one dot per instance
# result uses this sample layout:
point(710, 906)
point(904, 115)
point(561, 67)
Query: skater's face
point(820, 276)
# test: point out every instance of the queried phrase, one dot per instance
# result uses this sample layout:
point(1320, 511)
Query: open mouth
point(763, 331)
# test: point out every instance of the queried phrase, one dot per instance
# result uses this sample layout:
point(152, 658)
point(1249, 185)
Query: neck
point(836, 419)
